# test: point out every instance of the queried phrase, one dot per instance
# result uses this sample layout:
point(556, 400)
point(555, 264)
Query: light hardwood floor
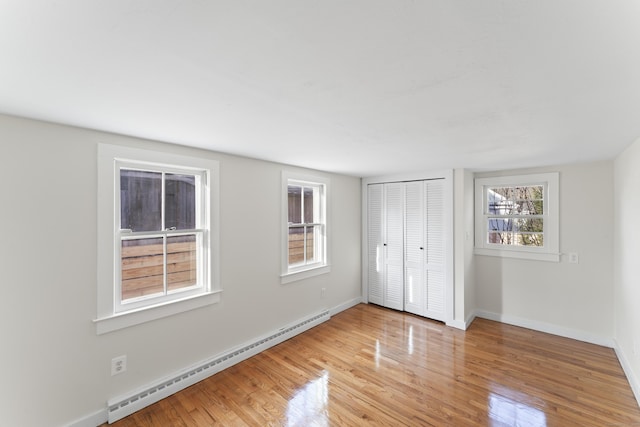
point(373, 366)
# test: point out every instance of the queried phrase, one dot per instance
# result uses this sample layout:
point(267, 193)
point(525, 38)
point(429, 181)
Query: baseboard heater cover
point(120, 407)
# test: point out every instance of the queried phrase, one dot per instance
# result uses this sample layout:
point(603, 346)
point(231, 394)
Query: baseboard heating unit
point(120, 407)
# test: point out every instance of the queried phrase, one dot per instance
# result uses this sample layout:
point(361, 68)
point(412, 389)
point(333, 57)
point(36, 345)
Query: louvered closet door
point(435, 250)
point(394, 245)
point(375, 214)
point(414, 292)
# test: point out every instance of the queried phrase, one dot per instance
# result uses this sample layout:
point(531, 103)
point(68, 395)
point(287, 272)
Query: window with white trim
point(162, 234)
point(157, 236)
point(305, 231)
point(517, 216)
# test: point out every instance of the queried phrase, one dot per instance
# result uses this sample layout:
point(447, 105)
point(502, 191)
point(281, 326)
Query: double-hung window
point(162, 234)
point(305, 232)
point(157, 235)
point(517, 216)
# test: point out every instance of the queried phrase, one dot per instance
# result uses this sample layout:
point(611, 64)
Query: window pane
point(308, 205)
point(140, 200)
point(516, 200)
point(500, 224)
point(499, 202)
point(529, 200)
point(516, 239)
point(529, 207)
point(500, 238)
point(142, 268)
point(516, 224)
point(530, 224)
point(296, 245)
point(530, 239)
point(180, 201)
point(504, 192)
point(182, 263)
point(310, 242)
point(295, 204)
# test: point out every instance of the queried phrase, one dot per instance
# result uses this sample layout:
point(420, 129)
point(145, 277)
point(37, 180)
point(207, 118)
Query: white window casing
point(115, 311)
point(549, 250)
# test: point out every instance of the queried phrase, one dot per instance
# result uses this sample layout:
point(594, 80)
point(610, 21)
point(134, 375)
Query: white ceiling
point(361, 87)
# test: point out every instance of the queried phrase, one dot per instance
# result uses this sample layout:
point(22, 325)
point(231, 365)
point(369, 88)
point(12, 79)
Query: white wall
point(465, 301)
point(574, 300)
point(55, 368)
point(627, 261)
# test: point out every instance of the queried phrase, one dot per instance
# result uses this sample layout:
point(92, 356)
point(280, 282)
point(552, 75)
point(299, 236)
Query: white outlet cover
point(118, 365)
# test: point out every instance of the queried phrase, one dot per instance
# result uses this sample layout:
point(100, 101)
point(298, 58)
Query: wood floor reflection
point(373, 366)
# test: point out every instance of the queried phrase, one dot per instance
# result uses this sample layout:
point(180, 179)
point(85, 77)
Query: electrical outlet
point(118, 365)
point(323, 292)
point(573, 258)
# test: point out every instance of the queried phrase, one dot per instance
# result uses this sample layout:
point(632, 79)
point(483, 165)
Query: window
point(517, 216)
point(157, 236)
point(161, 234)
point(305, 231)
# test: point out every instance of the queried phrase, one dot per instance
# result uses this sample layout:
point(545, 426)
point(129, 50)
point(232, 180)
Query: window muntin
point(517, 216)
point(305, 224)
point(162, 235)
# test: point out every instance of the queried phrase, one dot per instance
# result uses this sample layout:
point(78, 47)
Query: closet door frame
point(447, 176)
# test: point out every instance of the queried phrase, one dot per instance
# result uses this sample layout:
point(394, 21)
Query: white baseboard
point(463, 325)
point(191, 375)
point(573, 334)
point(102, 416)
point(628, 371)
point(458, 324)
point(127, 404)
point(546, 327)
point(93, 420)
point(345, 306)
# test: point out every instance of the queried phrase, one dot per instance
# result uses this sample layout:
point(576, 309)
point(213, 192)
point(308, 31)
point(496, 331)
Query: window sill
point(518, 254)
point(304, 274)
point(135, 317)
